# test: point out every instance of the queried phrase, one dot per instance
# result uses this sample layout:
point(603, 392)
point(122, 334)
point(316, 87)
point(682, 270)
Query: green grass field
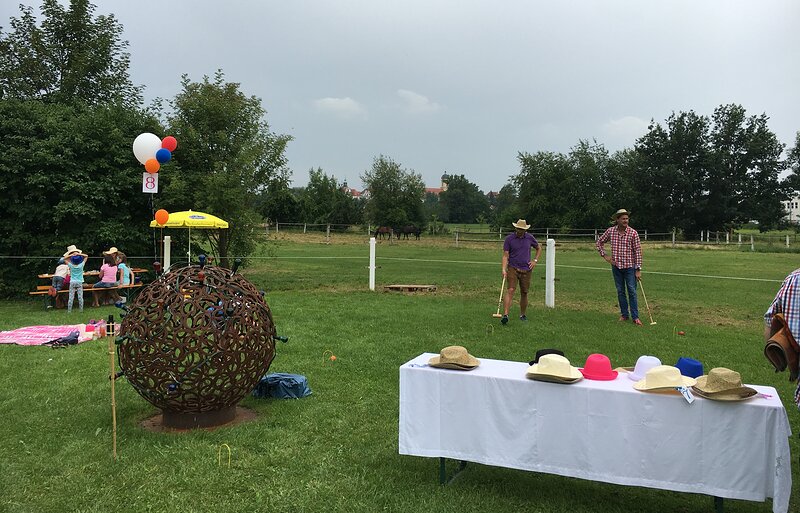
point(337, 449)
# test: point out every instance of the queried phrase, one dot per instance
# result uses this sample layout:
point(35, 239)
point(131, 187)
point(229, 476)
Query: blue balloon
point(163, 155)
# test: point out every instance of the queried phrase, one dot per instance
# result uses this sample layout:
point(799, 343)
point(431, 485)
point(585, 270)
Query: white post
point(740, 239)
point(167, 259)
point(645, 235)
point(787, 240)
point(304, 227)
point(752, 245)
point(372, 263)
point(328, 234)
point(727, 237)
point(595, 234)
point(673, 237)
point(550, 274)
point(276, 226)
point(456, 238)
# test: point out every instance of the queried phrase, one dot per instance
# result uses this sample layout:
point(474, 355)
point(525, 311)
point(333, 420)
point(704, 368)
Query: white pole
point(550, 274)
point(456, 238)
point(673, 237)
point(752, 244)
point(645, 235)
point(740, 239)
point(787, 240)
point(190, 244)
point(727, 237)
point(167, 256)
point(372, 263)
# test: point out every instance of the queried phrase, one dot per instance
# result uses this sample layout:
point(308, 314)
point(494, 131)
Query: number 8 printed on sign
point(150, 183)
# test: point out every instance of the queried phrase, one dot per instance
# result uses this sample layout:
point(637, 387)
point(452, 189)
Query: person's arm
point(130, 269)
point(599, 245)
point(504, 263)
point(535, 260)
point(637, 256)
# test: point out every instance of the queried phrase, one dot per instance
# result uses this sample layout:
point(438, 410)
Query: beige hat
point(618, 213)
point(454, 357)
point(111, 251)
point(663, 377)
point(723, 384)
point(555, 369)
point(71, 250)
point(521, 224)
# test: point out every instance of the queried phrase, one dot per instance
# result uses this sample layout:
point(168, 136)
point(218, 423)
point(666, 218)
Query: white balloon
point(145, 146)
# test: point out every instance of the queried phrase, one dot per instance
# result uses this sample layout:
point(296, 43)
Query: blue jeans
point(626, 279)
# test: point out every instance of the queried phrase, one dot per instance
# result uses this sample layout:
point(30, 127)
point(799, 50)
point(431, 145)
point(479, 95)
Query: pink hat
point(598, 367)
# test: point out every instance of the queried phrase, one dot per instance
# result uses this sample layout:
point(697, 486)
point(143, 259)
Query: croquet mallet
point(650, 313)
point(500, 301)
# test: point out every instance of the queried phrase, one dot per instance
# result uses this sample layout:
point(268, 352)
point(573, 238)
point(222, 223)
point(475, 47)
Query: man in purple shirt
point(517, 266)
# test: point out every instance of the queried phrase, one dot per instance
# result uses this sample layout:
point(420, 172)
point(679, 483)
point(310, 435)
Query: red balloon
point(162, 216)
point(169, 143)
point(152, 166)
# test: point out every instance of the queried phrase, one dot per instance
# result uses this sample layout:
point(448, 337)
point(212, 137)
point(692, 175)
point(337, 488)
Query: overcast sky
point(463, 86)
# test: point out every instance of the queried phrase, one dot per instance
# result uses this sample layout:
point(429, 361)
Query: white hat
point(71, 250)
point(643, 364)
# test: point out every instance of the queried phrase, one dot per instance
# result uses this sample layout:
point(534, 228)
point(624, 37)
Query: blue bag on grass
point(282, 386)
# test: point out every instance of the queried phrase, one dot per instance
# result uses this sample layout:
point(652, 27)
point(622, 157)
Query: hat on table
point(71, 250)
point(663, 377)
point(723, 384)
point(689, 367)
point(542, 352)
point(554, 368)
point(598, 367)
point(454, 357)
point(521, 224)
point(643, 364)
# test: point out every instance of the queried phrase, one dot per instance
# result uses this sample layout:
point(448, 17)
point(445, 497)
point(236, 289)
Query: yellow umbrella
point(191, 219)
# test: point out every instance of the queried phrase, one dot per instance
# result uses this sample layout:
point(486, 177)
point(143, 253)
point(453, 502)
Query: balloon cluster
point(152, 151)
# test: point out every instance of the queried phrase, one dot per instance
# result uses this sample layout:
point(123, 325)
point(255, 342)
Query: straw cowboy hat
point(454, 357)
point(618, 213)
point(71, 250)
point(663, 377)
point(554, 368)
point(723, 384)
point(781, 349)
point(112, 251)
point(521, 224)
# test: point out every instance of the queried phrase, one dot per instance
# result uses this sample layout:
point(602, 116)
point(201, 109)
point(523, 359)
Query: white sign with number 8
point(150, 182)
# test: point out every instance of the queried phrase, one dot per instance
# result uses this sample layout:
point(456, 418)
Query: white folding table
point(597, 430)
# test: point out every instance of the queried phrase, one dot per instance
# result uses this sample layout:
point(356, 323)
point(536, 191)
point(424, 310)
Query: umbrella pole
point(190, 245)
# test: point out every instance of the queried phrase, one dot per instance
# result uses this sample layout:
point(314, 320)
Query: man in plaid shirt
point(787, 302)
point(626, 262)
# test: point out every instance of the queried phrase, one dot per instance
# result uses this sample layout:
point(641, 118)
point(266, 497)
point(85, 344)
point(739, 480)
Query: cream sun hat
point(663, 377)
point(521, 224)
point(554, 368)
point(71, 250)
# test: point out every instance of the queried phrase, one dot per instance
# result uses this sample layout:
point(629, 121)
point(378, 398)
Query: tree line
point(69, 113)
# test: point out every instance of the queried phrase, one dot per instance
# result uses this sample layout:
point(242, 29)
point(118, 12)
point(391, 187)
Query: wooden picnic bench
point(61, 295)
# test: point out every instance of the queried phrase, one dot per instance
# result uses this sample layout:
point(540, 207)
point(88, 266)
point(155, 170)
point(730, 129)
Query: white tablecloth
point(598, 430)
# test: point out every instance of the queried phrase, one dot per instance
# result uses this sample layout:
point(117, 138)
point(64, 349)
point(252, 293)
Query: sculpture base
point(186, 422)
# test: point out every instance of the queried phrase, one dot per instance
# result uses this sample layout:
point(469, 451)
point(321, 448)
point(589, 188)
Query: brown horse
point(383, 231)
point(410, 229)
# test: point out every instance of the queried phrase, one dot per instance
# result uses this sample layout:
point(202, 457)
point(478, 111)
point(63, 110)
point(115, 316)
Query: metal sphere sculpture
point(195, 342)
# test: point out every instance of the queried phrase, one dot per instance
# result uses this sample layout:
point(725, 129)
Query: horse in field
point(383, 231)
point(409, 229)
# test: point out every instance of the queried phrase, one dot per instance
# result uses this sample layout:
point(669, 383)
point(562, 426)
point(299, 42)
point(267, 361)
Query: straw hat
point(643, 364)
point(521, 224)
point(723, 384)
point(663, 377)
point(71, 250)
point(554, 368)
point(111, 251)
point(454, 357)
point(618, 213)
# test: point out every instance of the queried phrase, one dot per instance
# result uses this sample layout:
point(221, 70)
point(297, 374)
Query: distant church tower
point(445, 179)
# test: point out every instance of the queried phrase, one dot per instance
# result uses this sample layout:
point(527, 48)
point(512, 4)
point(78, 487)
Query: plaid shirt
point(787, 302)
point(626, 248)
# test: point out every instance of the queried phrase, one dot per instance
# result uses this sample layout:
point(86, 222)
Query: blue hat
point(689, 367)
point(76, 259)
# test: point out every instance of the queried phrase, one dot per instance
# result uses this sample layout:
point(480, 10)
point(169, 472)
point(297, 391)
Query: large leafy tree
point(227, 154)
point(395, 194)
point(463, 201)
point(72, 56)
point(326, 201)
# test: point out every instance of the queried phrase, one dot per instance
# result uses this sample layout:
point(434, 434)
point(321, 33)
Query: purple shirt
point(519, 250)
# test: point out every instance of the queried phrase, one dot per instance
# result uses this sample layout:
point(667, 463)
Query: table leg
point(718, 507)
point(443, 471)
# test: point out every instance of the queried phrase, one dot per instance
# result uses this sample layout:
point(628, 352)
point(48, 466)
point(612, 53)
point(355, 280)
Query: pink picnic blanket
point(38, 335)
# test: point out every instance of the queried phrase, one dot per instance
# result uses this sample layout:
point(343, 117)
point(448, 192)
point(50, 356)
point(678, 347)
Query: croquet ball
point(333, 357)
point(681, 333)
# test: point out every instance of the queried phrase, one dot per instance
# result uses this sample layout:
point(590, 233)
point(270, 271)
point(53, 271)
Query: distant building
point(792, 207)
point(440, 189)
point(354, 192)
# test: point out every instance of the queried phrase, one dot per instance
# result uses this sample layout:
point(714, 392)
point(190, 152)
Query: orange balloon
point(162, 216)
point(152, 166)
